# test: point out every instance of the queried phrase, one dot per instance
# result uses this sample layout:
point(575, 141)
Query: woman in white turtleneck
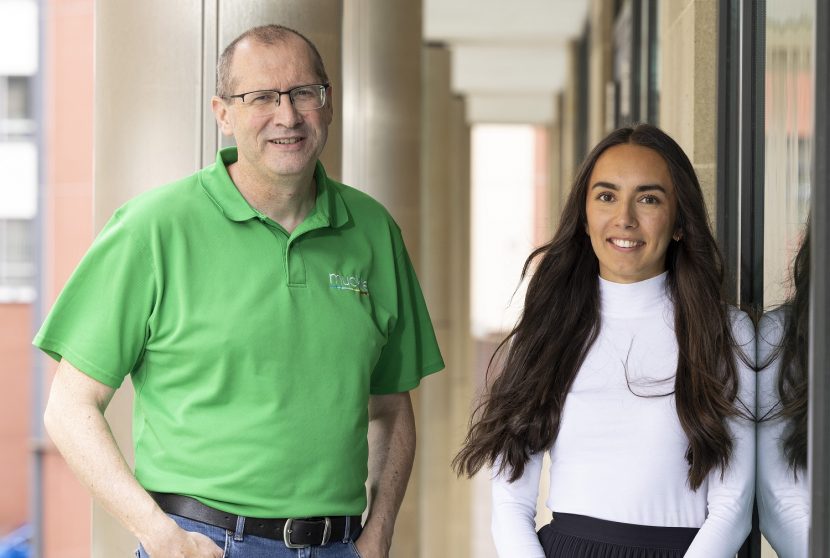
point(624, 366)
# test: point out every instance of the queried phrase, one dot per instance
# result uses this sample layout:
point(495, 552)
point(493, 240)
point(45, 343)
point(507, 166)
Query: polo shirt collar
point(329, 208)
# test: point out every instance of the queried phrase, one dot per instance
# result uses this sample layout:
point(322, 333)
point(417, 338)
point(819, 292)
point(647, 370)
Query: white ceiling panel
point(511, 109)
point(492, 68)
point(491, 21)
point(508, 57)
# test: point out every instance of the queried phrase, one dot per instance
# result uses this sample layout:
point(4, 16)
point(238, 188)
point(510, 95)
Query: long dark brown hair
point(791, 353)
point(541, 356)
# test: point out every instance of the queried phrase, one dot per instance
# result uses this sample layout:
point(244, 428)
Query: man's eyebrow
point(640, 188)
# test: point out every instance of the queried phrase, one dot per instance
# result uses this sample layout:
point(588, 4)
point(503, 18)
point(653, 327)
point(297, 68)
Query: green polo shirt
point(252, 351)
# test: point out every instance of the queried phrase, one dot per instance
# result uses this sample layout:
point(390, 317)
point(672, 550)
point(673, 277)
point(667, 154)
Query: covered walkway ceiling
point(508, 57)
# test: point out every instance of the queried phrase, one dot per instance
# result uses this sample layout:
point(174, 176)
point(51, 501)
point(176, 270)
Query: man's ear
point(222, 114)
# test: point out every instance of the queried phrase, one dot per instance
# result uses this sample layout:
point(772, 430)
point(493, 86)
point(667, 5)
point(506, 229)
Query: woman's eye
point(650, 199)
point(605, 197)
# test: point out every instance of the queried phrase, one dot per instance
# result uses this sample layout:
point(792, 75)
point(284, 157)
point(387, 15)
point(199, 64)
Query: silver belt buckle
point(286, 534)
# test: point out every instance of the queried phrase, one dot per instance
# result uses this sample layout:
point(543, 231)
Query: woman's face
point(632, 210)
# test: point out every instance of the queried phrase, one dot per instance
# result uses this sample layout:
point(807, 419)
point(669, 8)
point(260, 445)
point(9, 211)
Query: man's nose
point(285, 113)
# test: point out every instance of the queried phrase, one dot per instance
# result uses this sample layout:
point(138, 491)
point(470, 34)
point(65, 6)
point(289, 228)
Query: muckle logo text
point(348, 283)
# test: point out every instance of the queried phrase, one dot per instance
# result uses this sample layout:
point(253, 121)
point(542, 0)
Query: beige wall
point(568, 119)
point(445, 509)
point(688, 84)
point(600, 63)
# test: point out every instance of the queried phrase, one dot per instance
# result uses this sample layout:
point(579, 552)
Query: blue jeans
point(237, 545)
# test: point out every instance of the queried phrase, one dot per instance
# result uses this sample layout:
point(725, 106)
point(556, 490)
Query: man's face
point(288, 142)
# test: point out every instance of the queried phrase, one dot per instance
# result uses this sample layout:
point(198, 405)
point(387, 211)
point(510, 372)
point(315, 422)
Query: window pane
point(16, 253)
point(19, 102)
point(788, 138)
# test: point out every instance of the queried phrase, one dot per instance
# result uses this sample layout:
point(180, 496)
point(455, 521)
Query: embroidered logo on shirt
point(348, 283)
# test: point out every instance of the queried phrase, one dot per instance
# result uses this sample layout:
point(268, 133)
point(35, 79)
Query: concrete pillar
point(445, 254)
point(147, 132)
point(154, 77)
point(382, 106)
point(435, 407)
point(688, 84)
point(462, 529)
point(568, 118)
point(601, 68)
point(556, 184)
point(381, 148)
point(542, 217)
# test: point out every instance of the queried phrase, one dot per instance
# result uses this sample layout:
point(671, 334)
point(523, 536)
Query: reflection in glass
point(788, 135)
point(783, 495)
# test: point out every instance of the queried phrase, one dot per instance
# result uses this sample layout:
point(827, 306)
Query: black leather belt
point(294, 532)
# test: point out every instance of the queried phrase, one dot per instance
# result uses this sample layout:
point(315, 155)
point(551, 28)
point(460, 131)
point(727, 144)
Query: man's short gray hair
point(266, 35)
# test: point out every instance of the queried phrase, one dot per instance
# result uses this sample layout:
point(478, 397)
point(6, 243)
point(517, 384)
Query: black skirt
point(580, 536)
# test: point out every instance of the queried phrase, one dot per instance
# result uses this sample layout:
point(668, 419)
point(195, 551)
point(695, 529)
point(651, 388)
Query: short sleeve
point(411, 351)
point(99, 322)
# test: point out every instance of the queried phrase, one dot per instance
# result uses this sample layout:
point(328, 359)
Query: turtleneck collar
point(632, 299)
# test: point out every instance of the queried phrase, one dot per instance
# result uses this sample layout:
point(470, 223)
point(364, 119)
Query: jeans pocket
point(354, 549)
point(140, 553)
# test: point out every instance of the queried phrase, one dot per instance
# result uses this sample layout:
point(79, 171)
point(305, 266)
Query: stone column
point(556, 184)
point(688, 84)
point(601, 63)
point(445, 255)
point(382, 107)
point(459, 365)
point(148, 103)
point(381, 149)
point(568, 118)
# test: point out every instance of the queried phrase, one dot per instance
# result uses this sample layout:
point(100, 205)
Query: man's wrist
point(380, 536)
point(154, 523)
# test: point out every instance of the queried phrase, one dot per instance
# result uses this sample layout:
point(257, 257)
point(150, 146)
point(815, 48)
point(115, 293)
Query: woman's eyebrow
point(640, 188)
point(650, 187)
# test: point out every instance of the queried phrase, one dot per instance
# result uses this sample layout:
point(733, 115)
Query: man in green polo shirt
point(267, 315)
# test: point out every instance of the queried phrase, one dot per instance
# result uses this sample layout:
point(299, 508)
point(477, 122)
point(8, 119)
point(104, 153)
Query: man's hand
point(369, 546)
point(391, 453)
point(75, 421)
point(175, 542)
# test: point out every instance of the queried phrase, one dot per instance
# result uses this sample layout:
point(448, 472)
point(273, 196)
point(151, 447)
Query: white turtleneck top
point(621, 456)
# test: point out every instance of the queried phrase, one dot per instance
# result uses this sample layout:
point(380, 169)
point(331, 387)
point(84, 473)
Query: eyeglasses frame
point(324, 87)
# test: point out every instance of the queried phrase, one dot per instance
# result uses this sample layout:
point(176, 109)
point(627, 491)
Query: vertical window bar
point(753, 38)
point(740, 163)
point(728, 218)
point(636, 59)
point(819, 358)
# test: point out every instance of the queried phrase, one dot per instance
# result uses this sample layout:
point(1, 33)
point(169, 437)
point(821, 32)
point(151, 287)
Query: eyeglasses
point(265, 102)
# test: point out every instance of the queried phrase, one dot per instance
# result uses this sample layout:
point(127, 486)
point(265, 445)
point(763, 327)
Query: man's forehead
point(283, 50)
point(254, 60)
